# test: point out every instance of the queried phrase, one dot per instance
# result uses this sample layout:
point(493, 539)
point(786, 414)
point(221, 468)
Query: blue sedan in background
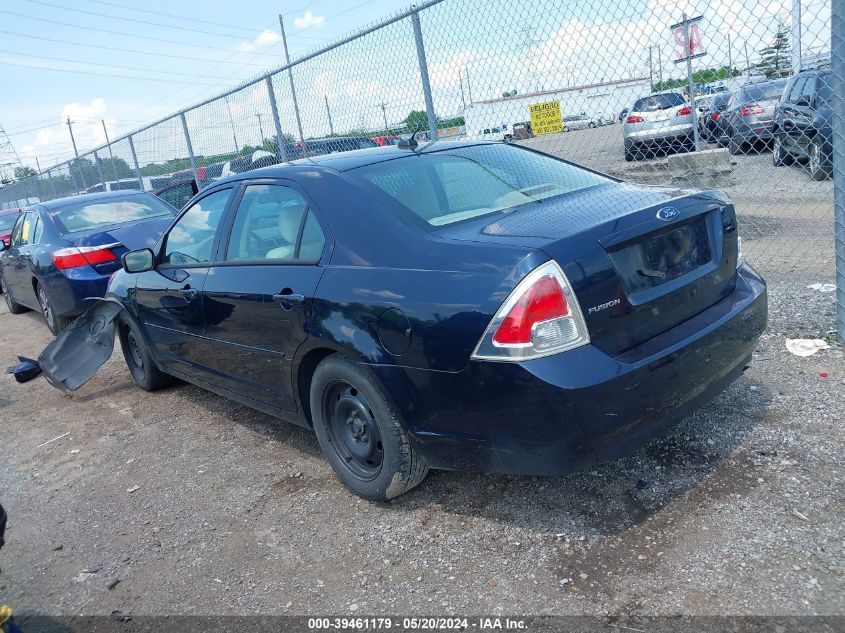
point(473, 306)
point(62, 252)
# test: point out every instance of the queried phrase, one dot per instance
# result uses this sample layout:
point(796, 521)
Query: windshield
point(85, 216)
point(7, 221)
point(448, 186)
point(659, 102)
point(762, 92)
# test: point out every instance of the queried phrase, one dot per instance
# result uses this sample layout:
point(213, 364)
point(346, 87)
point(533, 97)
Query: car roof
point(344, 161)
point(87, 197)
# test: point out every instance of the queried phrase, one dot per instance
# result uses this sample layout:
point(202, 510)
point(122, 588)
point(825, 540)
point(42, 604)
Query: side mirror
point(138, 261)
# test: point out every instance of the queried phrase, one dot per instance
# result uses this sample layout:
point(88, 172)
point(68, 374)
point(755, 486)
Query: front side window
point(191, 238)
point(825, 88)
point(17, 232)
point(448, 186)
point(809, 89)
point(86, 216)
point(267, 224)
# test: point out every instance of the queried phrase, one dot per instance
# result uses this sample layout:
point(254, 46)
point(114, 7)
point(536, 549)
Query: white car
point(580, 122)
point(503, 132)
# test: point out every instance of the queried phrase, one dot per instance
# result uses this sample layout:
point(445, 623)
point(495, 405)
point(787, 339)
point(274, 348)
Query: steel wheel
point(816, 170)
point(46, 310)
point(351, 427)
point(135, 356)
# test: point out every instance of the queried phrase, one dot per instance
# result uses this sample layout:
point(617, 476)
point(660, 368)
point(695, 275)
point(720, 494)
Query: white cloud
point(265, 38)
point(308, 20)
point(447, 74)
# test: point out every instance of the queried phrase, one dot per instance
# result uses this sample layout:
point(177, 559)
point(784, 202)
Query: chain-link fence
point(628, 88)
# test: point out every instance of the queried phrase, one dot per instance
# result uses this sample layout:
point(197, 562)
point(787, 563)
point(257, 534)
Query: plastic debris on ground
point(805, 346)
point(823, 287)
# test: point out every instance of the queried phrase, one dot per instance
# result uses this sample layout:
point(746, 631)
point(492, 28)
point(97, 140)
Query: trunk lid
point(121, 238)
point(635, 274)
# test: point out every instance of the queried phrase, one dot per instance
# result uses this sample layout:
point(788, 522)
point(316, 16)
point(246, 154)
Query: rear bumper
point(750, 132)
point(573, 410)
point(659, 134)
point(69, 289)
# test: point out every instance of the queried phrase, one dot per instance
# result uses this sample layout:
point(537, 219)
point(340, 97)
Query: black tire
point(14, 306)
point(592, 125)
point(360, 432)
point(735, 147)
point(816, 165)
point(55, 323)
point(144, 371)
point(630, 153)
point(780, 156)
point(508, 138)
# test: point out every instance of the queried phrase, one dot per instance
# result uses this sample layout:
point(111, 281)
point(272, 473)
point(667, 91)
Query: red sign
point(695, 49)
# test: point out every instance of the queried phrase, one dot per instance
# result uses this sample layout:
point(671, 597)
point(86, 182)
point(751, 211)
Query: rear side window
point(654, 103)
point(445, 187)
point(86, 216)
point(189, 241)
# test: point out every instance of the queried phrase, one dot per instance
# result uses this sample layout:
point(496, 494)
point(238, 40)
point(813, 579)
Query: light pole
point(260, 130)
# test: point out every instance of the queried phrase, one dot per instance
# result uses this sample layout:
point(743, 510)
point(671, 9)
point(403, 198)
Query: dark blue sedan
point(64, 251)
point(458, 306)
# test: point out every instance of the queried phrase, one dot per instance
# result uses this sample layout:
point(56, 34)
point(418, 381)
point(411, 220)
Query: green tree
point(775, 58)
point(22, 173)
point(509, 93)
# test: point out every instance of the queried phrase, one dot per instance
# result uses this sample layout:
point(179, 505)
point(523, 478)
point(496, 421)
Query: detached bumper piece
point(75, 355)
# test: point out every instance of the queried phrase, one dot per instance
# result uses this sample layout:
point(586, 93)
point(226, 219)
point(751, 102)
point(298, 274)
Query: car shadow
point(709, 446)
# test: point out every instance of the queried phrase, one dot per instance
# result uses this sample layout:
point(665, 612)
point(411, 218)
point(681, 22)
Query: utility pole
point(72, 140)
point(650, 69)
point(383, 107)
point(232, 123)
point(111, 154)
point(730, 58)
point(329, 114)
point(260, 130)
point(747, 63)
point(290, 75)
point(469, 88)
point(461, 83)
point(659, 65)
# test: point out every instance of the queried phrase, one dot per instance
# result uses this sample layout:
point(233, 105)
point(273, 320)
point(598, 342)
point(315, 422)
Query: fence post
point(837, 58)
point(426, 84)
point(72, 177)
point(281, 150)
point(135, 162)
point(81, 174)
point(190, 148)
point(99, 170)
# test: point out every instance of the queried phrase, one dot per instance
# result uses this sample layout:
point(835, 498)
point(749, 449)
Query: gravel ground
point(187, 503)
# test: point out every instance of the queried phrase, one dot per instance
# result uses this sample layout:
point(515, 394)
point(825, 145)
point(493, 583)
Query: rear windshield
point(659, 102)
point(85, 216)
point(762, 92)
point(7, 221)
point(719, 100)
point(448, 186)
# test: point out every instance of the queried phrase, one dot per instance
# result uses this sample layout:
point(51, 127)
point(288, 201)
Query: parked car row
point(481, 331)
point(790, 115)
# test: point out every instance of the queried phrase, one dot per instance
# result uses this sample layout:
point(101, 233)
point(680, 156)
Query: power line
point(112, 32)
point(120, 50)
point(85, 72)
point(132, 20)
point(172, 15)
point(119, 66)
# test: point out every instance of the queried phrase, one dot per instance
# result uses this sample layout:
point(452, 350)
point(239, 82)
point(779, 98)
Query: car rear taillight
point(540, 317)
point(685, 111)
point(716, 116)
point(634, 118)
point(76, 256)
point(748, 110)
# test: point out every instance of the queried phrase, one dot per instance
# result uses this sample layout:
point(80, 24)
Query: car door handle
point(290, 297)
point(189, 293)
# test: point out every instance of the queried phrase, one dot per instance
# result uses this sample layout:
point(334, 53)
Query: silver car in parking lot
point(659, 121)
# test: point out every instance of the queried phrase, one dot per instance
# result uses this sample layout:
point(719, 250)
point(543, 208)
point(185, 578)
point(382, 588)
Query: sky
point(130, 63)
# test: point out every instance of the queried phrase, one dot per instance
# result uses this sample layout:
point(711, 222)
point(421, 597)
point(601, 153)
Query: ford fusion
point(472, 306)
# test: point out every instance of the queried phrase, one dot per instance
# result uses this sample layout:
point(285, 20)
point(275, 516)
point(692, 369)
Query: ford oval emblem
point(667, 214)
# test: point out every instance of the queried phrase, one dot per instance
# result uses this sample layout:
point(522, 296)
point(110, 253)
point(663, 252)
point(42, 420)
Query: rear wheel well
point(304, 375)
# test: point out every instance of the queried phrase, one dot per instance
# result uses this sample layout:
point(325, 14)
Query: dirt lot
point(191, 504)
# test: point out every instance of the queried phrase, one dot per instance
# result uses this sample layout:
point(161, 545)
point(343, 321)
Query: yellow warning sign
point(545, 118)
